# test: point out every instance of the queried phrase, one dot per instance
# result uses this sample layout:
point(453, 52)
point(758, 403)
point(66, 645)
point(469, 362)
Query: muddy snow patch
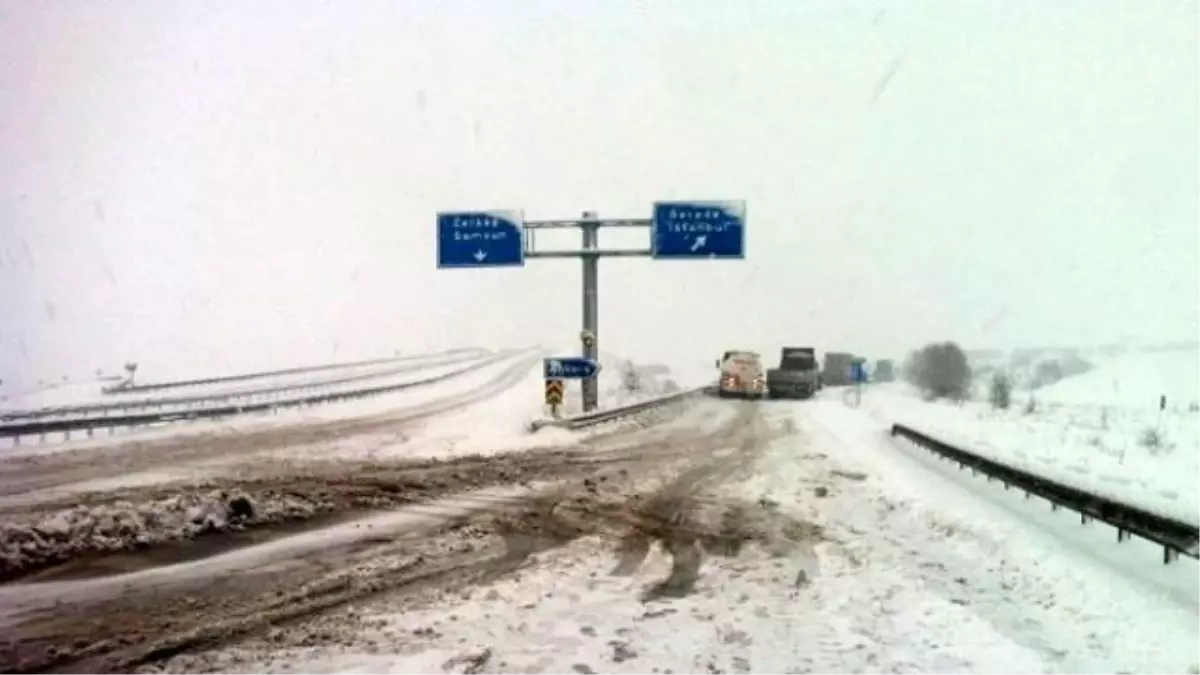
point(123, 526)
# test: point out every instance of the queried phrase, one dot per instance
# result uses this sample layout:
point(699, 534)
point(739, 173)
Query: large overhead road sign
point(481, 239)
point(691, 230)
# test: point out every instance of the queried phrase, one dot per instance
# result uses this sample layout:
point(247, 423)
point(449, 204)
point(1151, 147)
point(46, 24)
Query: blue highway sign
point(481, 239)
point(569, 368)
point(690, 230)
point(858, 372)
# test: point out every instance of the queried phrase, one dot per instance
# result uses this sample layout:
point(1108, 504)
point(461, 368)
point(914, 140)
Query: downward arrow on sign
point(479, 255)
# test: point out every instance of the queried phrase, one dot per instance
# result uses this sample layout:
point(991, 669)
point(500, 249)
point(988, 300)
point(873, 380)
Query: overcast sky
point(213, 186)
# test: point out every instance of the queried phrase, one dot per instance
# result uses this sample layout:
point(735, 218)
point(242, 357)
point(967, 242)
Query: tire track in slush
point(140, 623)
point(39, 472)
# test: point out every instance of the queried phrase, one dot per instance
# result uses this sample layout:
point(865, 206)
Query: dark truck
point(837, 369)
point(883, 371)
point(797, 375)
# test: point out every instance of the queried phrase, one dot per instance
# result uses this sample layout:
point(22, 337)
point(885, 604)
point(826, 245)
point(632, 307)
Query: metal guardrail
point(225, 379)
point(609, 414)
point(90, 424)
point(148, 405)
point(1174, 536)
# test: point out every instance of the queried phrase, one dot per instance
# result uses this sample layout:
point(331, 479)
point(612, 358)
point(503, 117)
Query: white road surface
point(927, 573)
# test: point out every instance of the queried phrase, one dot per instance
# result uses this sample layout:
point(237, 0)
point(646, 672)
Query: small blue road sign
point(689, 230)
point(858, 372)
point(569, 368)
point(481, 239)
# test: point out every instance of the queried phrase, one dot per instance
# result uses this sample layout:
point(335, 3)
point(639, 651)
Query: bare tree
point(940, 370)
point(1000, 393)
point(631, 381)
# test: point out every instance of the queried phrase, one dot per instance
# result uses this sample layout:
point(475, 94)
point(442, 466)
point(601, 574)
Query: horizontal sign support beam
point(562, 224)
point(612, 253)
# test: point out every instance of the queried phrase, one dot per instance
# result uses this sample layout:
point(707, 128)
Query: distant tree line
point(942, 370)
point(1053, 370)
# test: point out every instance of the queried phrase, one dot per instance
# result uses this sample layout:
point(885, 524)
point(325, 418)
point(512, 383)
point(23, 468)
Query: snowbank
point(122, 525)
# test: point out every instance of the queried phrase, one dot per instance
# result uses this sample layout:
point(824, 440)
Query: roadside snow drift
point(1101, 431)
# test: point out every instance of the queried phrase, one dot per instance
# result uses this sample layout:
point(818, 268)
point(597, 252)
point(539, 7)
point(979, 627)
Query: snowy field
point(1101, 431)
point(910, 571)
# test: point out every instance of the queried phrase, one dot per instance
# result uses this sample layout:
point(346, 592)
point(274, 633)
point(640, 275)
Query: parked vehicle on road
point(884, 371)
point(836, 372)
point(742, 375)
point(798, 374)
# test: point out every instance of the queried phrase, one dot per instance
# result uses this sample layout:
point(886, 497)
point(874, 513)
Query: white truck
point(742, 375)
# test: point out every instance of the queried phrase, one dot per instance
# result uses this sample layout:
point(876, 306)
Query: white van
point(742, 375)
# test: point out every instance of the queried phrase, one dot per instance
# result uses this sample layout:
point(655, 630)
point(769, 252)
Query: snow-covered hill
point(1101, 430)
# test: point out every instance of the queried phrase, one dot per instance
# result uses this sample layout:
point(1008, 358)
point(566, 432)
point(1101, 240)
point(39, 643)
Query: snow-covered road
point(917, 571)
point(238, 577)
point(204, 450)
point(860, 552)
point(89, 392)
